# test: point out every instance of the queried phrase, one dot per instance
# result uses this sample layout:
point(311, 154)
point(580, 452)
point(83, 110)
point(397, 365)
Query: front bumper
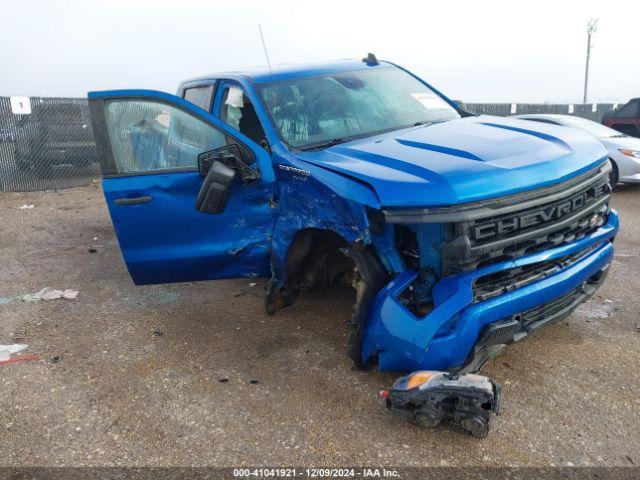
point(628, 168)
point(635, 179)
point(403, 342)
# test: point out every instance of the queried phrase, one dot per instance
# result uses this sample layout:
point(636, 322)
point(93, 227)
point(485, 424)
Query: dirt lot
point(130, 375)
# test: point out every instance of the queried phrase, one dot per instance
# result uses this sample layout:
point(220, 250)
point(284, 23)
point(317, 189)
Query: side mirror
point(226, 155)
point(213, 194)
point(231, 156)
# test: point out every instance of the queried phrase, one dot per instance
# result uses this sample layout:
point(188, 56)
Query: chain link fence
point(591, 111)
point(47, 143)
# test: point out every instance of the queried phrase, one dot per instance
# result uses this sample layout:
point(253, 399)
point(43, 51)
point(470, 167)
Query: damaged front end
point(480, 276)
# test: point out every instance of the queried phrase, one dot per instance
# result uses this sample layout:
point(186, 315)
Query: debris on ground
point(158, 333)
point(625, 255)
point(25, 207)
point(252, 284)
point(23, 358)
point(49, 293)
point(431, 397)
point(7, 350)
point(5, 300)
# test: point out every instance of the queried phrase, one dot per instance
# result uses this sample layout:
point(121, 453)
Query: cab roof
point(284, 72)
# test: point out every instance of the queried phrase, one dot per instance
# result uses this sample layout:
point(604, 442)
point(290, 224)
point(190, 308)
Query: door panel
point(168, 240)
point(148, 143)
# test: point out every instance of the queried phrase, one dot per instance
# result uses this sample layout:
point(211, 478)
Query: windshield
point(315, 112)
point(591, 127)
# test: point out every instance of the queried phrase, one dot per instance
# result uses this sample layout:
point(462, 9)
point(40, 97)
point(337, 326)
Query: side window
point(630, 110)
point(237, 111)
point(149, 135)
point(200, 96)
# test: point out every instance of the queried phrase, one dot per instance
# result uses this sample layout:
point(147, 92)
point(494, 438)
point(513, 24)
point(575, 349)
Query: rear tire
point(425, 420)
point(613, 175)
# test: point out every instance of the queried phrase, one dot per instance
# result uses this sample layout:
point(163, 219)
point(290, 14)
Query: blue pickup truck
point(459, 234)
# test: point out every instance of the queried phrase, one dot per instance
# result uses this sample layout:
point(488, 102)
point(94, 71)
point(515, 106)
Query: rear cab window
point(200, 96)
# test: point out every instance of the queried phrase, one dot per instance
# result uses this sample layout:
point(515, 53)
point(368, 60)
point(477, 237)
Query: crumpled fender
point(309, 196)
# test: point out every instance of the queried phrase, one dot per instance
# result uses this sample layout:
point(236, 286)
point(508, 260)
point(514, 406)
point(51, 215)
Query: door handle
point(133, 200)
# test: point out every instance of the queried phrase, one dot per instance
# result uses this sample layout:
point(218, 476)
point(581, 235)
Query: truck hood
point(462, 160)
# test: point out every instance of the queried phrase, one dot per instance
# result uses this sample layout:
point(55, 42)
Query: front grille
point(482, 241)
point(498, 283)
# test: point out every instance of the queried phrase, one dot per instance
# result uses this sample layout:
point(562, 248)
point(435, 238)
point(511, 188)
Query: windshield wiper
point(429, 122)
point(326, 144)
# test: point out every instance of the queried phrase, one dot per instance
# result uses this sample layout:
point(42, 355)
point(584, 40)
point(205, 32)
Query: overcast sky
point(484, 51)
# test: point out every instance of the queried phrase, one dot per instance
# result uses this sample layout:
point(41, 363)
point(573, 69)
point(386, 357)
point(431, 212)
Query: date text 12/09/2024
point(315, 472)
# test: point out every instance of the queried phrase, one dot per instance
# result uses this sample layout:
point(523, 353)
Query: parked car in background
point(625, 119)
point(624, 151)
point(6, 134)
point(54, 135)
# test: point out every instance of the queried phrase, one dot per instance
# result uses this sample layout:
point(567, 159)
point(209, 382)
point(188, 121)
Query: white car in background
point(624, 151)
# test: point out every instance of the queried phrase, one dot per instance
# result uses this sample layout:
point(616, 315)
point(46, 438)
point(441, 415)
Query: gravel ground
point(136, 375)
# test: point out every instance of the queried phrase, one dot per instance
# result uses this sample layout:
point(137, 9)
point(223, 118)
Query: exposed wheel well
point(314, 260)
point(317, 259)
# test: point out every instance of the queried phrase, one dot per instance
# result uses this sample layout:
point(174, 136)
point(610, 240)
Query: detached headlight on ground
point(431, 397)
point(630, 153)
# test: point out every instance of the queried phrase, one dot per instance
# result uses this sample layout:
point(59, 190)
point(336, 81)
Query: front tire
point(613, 175)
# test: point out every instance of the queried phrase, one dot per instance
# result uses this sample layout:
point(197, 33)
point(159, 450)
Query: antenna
point(264, 45)
point(592, 27)
point(371, 60)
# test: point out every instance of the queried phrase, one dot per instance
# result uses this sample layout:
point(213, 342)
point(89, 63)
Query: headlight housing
point(630, 153)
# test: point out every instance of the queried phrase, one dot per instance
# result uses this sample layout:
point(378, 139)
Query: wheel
point(613, 175)
point(425, 420)
point(42, 168)
point(478, 427)
point(22, 163)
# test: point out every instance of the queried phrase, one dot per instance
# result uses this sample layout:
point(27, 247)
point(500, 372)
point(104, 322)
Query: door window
point(237, 111)
point(150, 135)
point(200, 96)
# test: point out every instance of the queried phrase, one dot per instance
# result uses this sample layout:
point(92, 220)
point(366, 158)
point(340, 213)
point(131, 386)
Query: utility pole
point(592, 26)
